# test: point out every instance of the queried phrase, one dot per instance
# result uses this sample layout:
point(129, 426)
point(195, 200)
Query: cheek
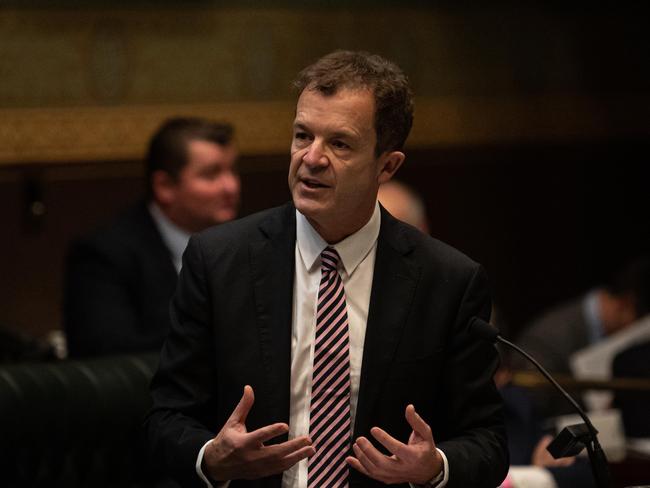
point(294, 164)
point(203, 191)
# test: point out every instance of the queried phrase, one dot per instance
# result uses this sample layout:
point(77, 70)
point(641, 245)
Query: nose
point(315, 155)
point(230, 182)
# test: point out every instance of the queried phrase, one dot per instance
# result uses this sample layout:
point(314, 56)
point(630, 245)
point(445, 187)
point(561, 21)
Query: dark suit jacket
point(556, 335)
point(118, 284)
point(634, 405)
point(231, 326)
point(552, 339)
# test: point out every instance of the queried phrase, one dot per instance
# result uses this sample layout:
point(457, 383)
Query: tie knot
point(329, 259)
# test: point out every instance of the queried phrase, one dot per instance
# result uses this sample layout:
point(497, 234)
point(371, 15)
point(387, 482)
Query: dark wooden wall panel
point(547, 221)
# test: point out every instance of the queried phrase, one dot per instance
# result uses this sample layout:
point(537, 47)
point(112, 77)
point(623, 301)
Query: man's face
point(334, 173)
point(206, 191)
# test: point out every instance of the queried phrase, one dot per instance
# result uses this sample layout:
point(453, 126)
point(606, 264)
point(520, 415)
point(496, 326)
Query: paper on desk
point(595, 362)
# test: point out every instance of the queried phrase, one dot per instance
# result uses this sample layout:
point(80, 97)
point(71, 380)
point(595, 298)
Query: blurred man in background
point(120, 278)
point(404, 204)
point(555, 336)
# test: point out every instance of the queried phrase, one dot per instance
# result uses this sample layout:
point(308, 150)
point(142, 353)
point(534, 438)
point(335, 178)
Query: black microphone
point(573, 438)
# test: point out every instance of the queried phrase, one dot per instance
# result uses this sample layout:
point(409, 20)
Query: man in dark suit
point(337, 333)
point(120, 278)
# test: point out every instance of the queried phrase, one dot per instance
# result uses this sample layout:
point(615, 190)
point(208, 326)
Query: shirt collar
point(352, 250)
point(591, 311)
point(172, 235)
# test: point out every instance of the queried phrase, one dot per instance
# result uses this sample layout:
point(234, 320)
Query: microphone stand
point(573, 438)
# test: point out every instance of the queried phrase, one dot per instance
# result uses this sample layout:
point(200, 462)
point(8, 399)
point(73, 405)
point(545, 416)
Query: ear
point(389, 163)
point(627, 307)
point(164, 187)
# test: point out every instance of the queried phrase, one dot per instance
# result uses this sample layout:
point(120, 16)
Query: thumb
point(244, 406)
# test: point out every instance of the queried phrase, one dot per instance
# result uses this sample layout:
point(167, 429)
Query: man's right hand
point(236, 453)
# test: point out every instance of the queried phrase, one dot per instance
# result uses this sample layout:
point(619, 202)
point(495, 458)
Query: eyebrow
point(298, 125)
point(341, 134)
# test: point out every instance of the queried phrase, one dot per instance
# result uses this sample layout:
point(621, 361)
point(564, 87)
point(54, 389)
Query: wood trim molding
point(91, 134)
point(88, 134)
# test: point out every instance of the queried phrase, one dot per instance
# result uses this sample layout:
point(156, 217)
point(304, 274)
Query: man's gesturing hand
point(416, 462)
point(236, 453)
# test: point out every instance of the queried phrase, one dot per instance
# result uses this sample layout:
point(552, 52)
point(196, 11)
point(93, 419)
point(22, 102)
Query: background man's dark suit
point(118, 285)
point(555, 336)
point(634, 405)
point(231, 326)
point(552, 339)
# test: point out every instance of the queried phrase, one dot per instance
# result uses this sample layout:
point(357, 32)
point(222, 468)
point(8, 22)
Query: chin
point(220, 219)
point(224, 215)
point(308, 208)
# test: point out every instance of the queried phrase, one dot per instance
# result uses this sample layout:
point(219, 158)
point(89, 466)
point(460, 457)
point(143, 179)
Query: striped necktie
point(329, 419)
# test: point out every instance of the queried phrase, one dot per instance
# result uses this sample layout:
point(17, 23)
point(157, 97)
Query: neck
point(337, 230)
point(173, 218)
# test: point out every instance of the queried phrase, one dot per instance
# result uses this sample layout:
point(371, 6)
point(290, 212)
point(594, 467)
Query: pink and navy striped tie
point(329, 420)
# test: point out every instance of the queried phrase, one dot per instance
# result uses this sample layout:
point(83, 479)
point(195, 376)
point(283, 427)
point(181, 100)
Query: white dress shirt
point(173, 236)
point(356, 267)
point(357, 253)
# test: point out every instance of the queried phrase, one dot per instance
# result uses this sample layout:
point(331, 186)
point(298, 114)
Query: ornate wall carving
point(93, 82)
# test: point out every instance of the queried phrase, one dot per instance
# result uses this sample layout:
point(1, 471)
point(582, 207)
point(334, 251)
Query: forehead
point(200, 152)
point(200, 149)
point(347, 109)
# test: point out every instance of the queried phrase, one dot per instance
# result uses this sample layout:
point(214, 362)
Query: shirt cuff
point(199, 471)
point(531, 476)
point(442, 477)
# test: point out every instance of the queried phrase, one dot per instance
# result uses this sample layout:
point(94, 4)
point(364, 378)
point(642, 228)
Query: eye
point(301, 136)
point(211, 172)
point(338, 144)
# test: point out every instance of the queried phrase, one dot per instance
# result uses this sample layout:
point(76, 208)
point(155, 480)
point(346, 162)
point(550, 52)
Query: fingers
point(564, 462)
point(544, 441)
point(280, 457)
point(354, 462)
point(542, 458)
point(371, 453)
point(415, 463)
point(267, 433)
point(287, 448)
point(302, 453)
point(373, 463)
point(244, 406)
point(366, 465)
point(389, 442)
point(418, 424)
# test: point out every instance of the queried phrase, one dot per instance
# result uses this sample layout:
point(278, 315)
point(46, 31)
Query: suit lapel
point(272, 263)
point(155, 246)
point(393, 287)
point(394, 284)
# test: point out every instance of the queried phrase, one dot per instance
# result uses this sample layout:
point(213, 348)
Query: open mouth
point(309, 183)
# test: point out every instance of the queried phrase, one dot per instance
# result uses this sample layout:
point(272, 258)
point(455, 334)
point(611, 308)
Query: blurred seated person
point(555, 336)
point(531, 465)
point(119, 279)
point(403, 203)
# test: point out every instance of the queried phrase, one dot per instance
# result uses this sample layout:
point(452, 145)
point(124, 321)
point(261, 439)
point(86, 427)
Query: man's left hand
point(416, 462)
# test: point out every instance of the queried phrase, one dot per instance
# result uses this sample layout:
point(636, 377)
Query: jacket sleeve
point(184, 388)
point(475, 444)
